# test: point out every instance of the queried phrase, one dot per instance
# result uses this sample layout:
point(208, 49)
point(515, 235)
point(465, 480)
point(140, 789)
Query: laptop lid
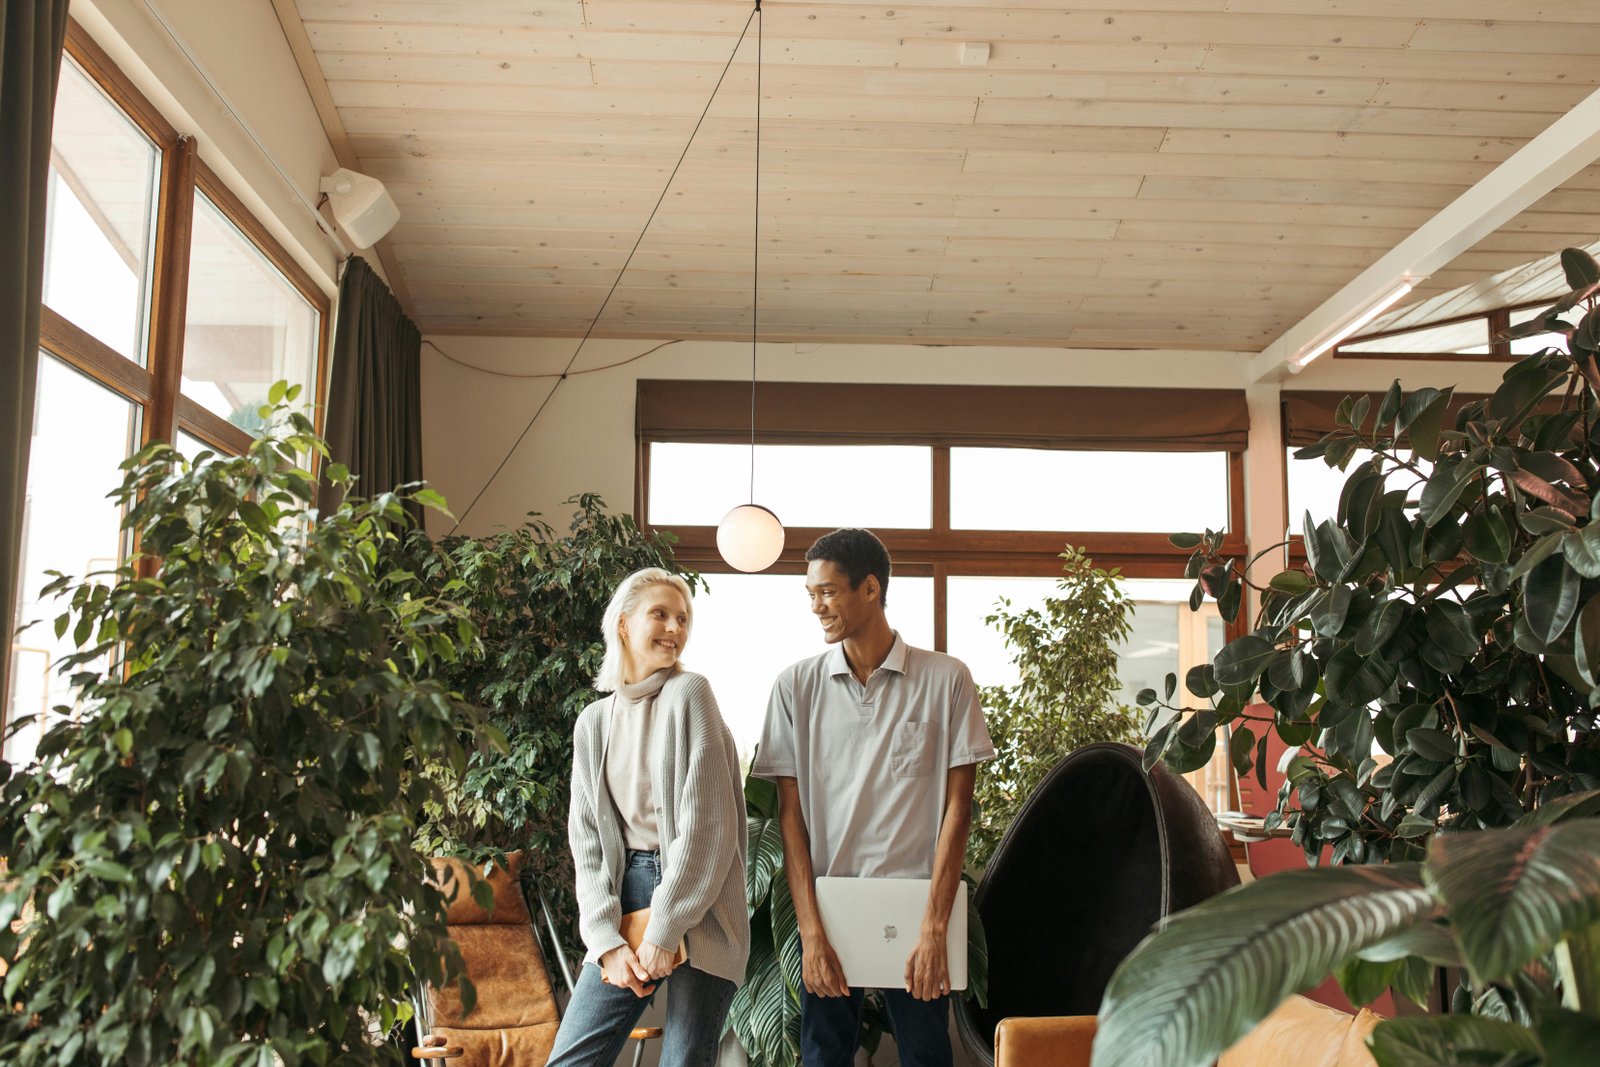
point(873, 925)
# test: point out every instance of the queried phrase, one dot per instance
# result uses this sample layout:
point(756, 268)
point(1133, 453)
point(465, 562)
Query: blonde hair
point(629, 592)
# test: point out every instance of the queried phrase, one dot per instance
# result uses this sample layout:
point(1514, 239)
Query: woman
point(657, 821)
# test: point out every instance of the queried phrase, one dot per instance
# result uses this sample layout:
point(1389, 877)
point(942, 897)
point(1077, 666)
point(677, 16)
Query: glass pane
point(247, 325)
point(804, 485)
point(748, 627)
point(1468, 338)
point(1526, 346)
point(1314, 486)
point(81, 432)
point(100, 227)
point(190, 446)
point(1039, 489)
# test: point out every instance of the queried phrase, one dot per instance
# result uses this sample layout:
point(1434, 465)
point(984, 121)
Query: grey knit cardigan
point(701, 817)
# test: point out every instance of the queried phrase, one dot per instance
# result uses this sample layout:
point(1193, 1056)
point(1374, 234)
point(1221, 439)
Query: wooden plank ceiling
point(1151, 173)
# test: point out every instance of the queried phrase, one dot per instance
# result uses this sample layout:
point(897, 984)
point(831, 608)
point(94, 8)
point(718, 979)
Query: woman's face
point(654, 632)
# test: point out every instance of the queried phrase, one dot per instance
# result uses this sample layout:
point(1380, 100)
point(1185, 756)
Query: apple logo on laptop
point(890, 933)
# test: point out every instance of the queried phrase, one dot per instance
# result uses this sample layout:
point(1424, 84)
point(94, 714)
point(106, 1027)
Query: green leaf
point(1449, 1039)
point(1550, 597)
point(1242, 660)
point(1292, 582)
point(1421, 417)
point(1352, 678)
point(1487, 536)
point(1570, 1039)
point(1514, 893)
point(1203, 980)
point(1580, 268)
point(1432, 744)
point(1586, 645)
point(1364, 981)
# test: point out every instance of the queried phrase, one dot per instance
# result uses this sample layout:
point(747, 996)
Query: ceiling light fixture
point(750, 537)
point(1299, 363)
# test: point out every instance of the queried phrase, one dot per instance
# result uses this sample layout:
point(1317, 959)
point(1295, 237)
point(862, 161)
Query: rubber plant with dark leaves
point(210, 860)
point(1437, 659)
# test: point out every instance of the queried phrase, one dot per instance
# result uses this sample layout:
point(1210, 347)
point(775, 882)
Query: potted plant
point(1435, 660)
point(536, 598)
point(1065, 651)
point(211, 860)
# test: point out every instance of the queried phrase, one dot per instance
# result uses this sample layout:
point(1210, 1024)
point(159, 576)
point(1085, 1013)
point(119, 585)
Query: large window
point(135, 225)
point(965, 525)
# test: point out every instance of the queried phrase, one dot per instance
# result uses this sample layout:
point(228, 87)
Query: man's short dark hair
point(858, 553)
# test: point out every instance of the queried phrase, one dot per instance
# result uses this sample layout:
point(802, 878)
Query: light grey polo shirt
point(871, 760)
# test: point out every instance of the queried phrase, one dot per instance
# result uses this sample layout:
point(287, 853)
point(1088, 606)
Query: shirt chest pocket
point(911, 755)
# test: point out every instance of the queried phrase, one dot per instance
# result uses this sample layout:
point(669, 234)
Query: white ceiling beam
point(1568, 145)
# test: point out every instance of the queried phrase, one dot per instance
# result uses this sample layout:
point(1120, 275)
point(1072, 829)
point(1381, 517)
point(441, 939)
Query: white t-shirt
point(871, 761)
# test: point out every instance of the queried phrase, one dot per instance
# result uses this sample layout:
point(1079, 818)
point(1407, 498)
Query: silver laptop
point(873, 924)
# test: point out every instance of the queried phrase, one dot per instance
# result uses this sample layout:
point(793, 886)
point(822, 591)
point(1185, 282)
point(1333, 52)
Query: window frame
point(156, 386)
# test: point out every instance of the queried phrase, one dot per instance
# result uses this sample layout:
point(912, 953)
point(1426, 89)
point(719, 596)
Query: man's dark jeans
point(830, 1028)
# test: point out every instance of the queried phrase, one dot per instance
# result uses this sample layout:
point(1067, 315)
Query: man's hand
point(622, 968)
point(819, 968)
point(928, 969)
point(656, 960)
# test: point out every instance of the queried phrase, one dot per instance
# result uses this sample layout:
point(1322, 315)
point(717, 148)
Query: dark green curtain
point(374, 423)
point(32, 33)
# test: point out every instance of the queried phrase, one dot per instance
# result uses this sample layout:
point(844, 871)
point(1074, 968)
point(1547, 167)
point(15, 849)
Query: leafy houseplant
point(1518, 907)
point(211, 860)
point(765, 1014)
point(536, 598)
point(1065, 652)
point(1449, 612)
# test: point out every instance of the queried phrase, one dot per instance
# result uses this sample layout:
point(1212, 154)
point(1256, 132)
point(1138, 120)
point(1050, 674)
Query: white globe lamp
point(750, 538)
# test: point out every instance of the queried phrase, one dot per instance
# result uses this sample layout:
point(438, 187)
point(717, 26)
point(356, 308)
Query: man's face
point(842, 611)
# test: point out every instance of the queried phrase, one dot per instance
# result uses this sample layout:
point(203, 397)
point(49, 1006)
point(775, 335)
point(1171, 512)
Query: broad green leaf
point(1487, 536)
point(1242, 660)
point(1582, 549)
point(1580, 268)
point(1514, 893)
point(1586, 643)
point(1550, 597)
point(1570, 1039)
point(1450, 1039)
point(1213, 971)
point(1356, 679)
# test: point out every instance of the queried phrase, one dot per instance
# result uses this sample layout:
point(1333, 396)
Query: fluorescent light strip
point(1299, 364)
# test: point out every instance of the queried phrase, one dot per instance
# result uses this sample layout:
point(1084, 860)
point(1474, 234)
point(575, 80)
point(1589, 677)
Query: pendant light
point(750, 537)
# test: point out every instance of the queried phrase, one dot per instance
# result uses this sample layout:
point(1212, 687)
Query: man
point(874, 747)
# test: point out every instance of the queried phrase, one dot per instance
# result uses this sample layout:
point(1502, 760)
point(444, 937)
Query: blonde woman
point(657, 821)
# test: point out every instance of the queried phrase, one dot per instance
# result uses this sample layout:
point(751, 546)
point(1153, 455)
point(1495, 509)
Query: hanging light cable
point(750, 537)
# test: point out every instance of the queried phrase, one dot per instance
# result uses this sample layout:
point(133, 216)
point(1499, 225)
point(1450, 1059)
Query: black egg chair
point(1099, 853)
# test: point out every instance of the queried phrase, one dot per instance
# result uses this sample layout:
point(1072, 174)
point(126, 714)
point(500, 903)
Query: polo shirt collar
point(894, 661)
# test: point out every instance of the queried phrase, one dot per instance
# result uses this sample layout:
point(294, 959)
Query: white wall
point(584, 442)
point(243, 50)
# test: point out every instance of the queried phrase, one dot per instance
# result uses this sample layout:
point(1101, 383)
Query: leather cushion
point(1062, 1041)
point(523, 1046)
point(507, 969)
point(1299, 1031)
point(452, 876)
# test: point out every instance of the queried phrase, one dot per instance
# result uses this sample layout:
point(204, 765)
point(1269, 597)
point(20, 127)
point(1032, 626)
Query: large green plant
point(211, 861)
point(1517, 907)
point(1449, 612)
point(765, 1015)
point(1066, 655)
point(536, 598)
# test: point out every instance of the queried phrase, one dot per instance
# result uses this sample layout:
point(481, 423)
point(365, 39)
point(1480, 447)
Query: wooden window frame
point(1495, 322)
point(156, 386)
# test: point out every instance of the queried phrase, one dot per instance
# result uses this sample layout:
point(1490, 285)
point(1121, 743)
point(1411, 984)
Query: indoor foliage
point(1066, 656)
point(536, 598)
point(765, 1015)
point(1456, 594)
point(211, 860)
point(1518, 908)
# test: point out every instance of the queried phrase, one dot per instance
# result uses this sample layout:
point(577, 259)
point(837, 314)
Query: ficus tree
point(211, 860)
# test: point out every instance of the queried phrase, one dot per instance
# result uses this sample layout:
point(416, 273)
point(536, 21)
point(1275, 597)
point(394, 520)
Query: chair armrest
point(1050, 1041)
point(436, 1047)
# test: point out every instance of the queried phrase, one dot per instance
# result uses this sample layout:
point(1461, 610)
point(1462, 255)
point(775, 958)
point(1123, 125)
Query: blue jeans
point(830, 1028)
point(598, 1019)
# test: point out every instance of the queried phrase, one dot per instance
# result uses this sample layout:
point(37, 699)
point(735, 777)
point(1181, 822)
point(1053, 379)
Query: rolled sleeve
point(969, 733)
point(775, 755)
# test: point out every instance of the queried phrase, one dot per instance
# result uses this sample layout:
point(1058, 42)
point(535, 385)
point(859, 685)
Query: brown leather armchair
point(516, 1017)
point(1300, 1032)
point(1098, 854)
